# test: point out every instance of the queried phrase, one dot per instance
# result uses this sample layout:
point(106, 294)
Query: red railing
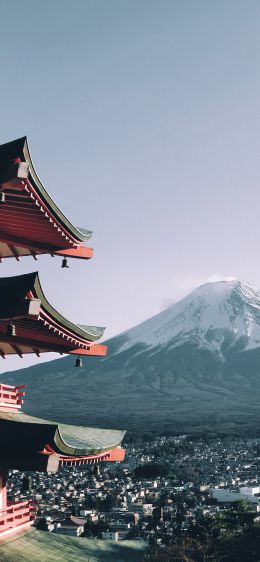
point(11, 396)
point(15, 514)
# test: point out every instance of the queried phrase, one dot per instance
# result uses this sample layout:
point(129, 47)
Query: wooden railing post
point(3, 492)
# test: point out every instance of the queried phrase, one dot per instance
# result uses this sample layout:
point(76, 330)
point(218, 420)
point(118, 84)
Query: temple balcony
point(11, 397)
point(15, 517)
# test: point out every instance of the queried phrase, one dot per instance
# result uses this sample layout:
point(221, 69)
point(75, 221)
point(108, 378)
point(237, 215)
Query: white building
point(227, 496)
point(72, 526)
point(110, 536)
point(145, 509)
point(249, 490)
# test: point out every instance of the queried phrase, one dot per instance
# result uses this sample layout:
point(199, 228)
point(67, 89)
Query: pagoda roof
point(38, 326)
point(64, 439)
point(31, 222)
point(25, 441)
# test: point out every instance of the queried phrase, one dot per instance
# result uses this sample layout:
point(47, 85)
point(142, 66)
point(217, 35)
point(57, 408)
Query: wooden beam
point(16, 349)
point(117, 455)
point(83, 252)
point(14, 252)
point(41, 247)
point(32, 344)
point(94, 349)
point(33, 254)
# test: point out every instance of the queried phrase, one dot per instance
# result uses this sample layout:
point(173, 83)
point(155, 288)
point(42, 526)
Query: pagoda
point(32, 224)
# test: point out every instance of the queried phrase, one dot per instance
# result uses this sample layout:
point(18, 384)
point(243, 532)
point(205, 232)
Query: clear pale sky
point(143, 119)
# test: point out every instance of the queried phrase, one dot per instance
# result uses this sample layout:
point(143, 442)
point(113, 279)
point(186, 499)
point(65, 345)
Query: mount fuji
point(195, 365)
point(210, 315)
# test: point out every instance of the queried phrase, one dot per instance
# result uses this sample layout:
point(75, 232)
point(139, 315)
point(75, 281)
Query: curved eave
point(19, 149)
point(90, 333)
point(113, 455)
point(39, 327)
point(63, 439)
point(82, 441)
point(83, 235)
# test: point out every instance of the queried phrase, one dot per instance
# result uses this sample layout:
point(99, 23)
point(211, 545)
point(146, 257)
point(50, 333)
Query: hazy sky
point(143, 118)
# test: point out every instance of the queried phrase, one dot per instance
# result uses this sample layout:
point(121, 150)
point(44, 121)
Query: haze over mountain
point(195, 364)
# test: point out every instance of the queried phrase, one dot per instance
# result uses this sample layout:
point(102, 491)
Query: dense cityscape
point(165, 488)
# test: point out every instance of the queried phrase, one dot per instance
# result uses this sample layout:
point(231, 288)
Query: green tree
point(41, 524)
point(151, 470)
point(237, 518)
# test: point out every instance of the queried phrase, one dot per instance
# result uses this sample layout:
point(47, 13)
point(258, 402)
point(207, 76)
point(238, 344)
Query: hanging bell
point(2, 197)
point(78, 362)
point(11, 332)
point(64, 263)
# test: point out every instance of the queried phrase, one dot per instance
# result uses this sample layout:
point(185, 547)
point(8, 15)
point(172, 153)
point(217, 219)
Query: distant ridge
point(194, 365)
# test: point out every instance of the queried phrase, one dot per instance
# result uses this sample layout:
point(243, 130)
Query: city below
point(164, 489)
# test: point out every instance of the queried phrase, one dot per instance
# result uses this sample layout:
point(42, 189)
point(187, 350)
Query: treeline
point(151, 470)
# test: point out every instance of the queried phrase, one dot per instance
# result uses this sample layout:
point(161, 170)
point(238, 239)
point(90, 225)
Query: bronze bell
point(11, 332)
point(2, 197)
point(64, 263)
point(78, 362)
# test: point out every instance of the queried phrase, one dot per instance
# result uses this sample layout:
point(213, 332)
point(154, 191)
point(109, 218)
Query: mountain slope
point(206, 313)
point(197, 363)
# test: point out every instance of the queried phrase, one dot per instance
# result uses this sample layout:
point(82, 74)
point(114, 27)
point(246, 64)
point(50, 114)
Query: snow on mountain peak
point(206, 315)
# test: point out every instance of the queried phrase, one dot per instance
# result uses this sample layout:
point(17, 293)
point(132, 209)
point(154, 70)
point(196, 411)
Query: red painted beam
point(27, 243)
point(3, 491)
point(117, 454)
point(50, 346)
point(44, 346)
point(95, 349)
point(82, 252)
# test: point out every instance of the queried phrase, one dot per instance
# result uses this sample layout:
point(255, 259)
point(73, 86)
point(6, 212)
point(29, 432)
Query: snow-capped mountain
point(206, 315)
point(195, 364)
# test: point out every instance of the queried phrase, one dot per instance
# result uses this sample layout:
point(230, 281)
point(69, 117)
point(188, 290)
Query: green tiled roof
point(74, 440)
point(39, 546)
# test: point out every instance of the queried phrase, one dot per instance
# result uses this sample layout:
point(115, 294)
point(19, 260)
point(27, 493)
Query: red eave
point(114, 455)
point(93, 349)
point(83, 252)
point(38, 327)
point(28, 226)
point(34, 337)
point(117, 454)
